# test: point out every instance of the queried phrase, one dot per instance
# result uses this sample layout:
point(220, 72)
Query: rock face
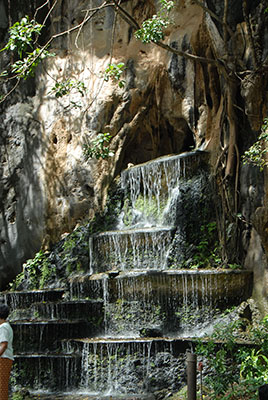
point(169, 104)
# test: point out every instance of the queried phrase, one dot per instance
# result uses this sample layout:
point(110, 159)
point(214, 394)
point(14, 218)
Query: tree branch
point(94, 11)
point(225, 32)
point(251, 42)
point(190, 56)
point(50, 10)
point(125, 15)
point(11, 90)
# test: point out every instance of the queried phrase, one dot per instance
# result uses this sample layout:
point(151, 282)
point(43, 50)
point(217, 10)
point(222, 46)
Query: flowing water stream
point(123, 327)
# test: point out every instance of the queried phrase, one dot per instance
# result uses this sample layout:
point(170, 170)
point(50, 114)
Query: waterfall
point(131, 249)
point(122, 328)
point(150, 187)
point(125, 367)
point(153, 179)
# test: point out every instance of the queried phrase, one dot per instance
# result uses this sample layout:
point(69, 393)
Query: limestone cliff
point(170, 103)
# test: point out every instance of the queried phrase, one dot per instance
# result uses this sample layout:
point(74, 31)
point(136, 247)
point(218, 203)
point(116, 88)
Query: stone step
point(131, 249)
point(36, 336)
point(87, 310)
point(175, 302)
point(162, 174)
point(149, 188)
point(221, 287)
point(50, 373)
point(24, 299)
point(128, 368)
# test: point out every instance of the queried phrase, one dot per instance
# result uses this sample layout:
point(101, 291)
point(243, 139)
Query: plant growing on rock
point(36, 273)
point(256, 154)
point(64, 88)
point(99, 147)
point(152, 29)
point(114, 72)
point(22, 35)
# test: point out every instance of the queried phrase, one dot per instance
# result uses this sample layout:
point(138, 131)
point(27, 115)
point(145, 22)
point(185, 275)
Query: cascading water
point(122, 367)
point(146, 224)
point(124, 326)
point(149, 188)
point(145, 248)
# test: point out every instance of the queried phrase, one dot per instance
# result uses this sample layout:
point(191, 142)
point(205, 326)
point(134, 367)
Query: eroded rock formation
point(170, 104)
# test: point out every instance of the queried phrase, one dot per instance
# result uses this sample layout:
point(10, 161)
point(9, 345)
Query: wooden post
point(191, 376)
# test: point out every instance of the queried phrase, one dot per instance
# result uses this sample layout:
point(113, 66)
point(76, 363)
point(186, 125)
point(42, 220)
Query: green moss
point(150, 207)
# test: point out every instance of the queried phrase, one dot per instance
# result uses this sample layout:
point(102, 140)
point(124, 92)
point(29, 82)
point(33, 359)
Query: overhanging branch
point(125, 15)
point(128, 18)
point(190, 56)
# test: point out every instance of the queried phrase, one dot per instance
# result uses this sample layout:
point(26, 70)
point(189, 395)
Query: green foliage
point(256, 153)
point(255, 367)
point(114, 72)
point(221, 357)
point(22, 41)
point(67, 256)
point(36, 272)
point(99, 147)
point(166, 5)
point(26, 67)
point(22, 34)
point(17, 396)
point(207, 250)
point(17, 281)
point(151, 208)
point(254, 362)
point(108, 218)
point(74, 250)
point(46, 273)
point(152, 29)
point(22, 394)
point(234, 266)
point(235, 371)
point(259, 335)
point(64, 88)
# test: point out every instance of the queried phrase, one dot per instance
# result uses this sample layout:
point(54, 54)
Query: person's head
point(263, 392)
point(4, 311)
